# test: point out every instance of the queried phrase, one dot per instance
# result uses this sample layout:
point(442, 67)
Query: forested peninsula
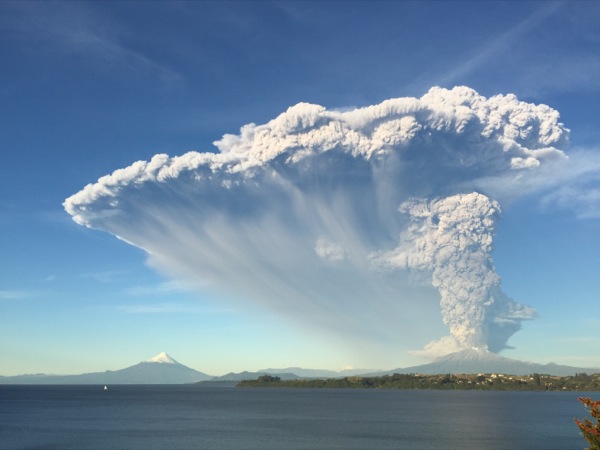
point(533, 382)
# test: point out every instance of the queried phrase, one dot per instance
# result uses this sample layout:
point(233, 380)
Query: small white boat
point(105, 388)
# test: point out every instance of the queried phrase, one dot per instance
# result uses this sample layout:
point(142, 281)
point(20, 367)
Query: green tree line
point(578, 382)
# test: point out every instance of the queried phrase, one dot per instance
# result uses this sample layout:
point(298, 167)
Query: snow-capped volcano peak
point(162, 358)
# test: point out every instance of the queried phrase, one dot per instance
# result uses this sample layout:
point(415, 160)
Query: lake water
point(198, 417)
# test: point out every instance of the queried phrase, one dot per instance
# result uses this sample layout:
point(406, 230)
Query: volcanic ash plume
point(451, 238)
point(310, 213)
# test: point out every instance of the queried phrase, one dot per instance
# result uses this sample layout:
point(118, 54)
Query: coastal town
point(480, 381)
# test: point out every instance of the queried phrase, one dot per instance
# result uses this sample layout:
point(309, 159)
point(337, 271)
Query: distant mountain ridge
point(292, 373)
point(162, 369)
point(232, 376)
point(317, 373)
point(470, 361)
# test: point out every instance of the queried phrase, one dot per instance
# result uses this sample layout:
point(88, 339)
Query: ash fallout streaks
point(334, 217)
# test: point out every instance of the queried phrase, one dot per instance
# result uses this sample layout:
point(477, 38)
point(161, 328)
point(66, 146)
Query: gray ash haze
point(347, 221)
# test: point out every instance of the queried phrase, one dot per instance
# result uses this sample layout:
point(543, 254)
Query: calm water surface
point(197, 417)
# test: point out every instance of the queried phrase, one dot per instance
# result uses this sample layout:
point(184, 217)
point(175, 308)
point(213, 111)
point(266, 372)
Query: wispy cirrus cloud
point(14, 294)
point(77, 30)
point(571, 184)
point(106, 276)
point(532, 66)
point(502, 43)
point(579, 190)
point(170, 308)
point(166, 287)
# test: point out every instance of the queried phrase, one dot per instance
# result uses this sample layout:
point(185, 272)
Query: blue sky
point(88, 88)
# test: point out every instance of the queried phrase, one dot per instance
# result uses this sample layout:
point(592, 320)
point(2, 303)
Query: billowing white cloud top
point(327, 215)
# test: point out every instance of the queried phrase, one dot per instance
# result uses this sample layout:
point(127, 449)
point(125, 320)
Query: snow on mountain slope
point(162, 358)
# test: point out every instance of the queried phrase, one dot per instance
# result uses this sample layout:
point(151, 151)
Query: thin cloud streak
point(14, 295)
point(170, 308)
point(77, 29)
point(107, 276)
point(500, 44)
point(578, 190)
point(167, 287)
